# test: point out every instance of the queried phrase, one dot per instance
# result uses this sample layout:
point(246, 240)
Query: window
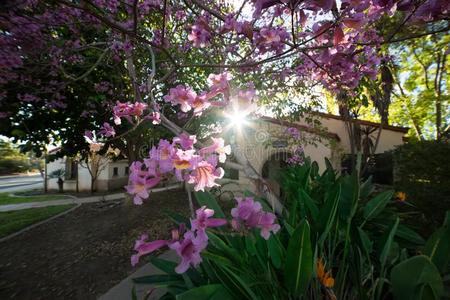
point(127, 170)
point(231, 173)
point(115, 171)
point(71, 169)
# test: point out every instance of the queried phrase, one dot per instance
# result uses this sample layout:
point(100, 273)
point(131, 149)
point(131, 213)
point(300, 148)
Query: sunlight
point(237, 118)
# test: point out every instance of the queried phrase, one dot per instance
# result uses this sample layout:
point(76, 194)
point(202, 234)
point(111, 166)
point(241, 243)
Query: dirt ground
point(83, 254)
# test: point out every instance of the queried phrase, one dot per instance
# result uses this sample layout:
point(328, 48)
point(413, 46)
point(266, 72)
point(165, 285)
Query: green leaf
point(238, 280)
point(159, 279)
point(178, 218)
point(164, 265)
point(208, 200)
point(377, 204)
point(416, 278)
point(310, 204)
point(388, 243)
point(133, 293)
point(328, 212)
point(438, 246)
point(366, 188)
point(223, 247)
point(299, 260)
point(275, 251)
point(410, 235)
point(250, 242)
point(365, 241)
point(217, 258)
point(211, 291)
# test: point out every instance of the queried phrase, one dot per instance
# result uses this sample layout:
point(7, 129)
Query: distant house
point(76, 177)
point(265, 145)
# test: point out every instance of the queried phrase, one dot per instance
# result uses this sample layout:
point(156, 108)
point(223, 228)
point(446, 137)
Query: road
point(20, 183)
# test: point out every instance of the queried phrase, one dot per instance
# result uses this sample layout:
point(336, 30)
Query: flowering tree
point(174, 62)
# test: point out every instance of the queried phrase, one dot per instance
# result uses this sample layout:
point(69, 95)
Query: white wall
point(254, 141)
point(106, 179)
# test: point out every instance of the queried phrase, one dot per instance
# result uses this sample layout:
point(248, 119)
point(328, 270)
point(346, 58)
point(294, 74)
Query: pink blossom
point(203, 220)
point(219, 148)
point(200, 103)
point(89, 134)
point(189, 251)
point(186, 141)
point(164, 155)
point(293, 132)
point(200, 34)
point(182, 161)
point(107, 130)
point(91, 139)
point(155, 117)
point(140, 186)
point(249, 214)
point(271, 39)
point(245, 209)
point(204, 175)
point(219, 83)
point(267, 225)
point(143, 248)
point(297, 158)
point(181, 95)
point(136, 170)
point(128, 110)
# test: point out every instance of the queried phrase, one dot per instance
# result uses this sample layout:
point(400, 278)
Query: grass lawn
point(5, 198)
point(13, 221)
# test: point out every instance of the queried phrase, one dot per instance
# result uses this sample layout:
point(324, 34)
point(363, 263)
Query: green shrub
point(14, 165)
point(422, 171)
point(338, 240)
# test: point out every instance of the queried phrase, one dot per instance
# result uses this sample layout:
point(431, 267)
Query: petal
point(215, 222)
point(182, 267)
point(137, 200)
point(147, 248)
point(134, 259)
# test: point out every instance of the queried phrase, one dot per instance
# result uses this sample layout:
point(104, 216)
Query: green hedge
point(13, 165)
point(422, 170)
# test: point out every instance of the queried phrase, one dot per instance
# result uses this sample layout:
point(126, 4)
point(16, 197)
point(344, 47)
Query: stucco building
point(266, 145)
point(113, 175)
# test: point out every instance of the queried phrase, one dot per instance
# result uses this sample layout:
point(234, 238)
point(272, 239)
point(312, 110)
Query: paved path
point(122, 291)
point(16, 183)
point(75, 200)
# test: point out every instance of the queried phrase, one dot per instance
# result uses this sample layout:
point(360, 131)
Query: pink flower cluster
point(128, 110)
point(249, 214)
point(189, 247)
point(178, 157)
point(298, 158)
point(189, 100)
point(271, 39)
point(293, 132)
point(107, 130)
point(200, 33)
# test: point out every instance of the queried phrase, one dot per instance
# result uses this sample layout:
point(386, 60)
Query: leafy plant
point(338, 239)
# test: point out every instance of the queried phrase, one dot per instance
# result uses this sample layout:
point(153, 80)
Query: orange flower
point(325, 278)
point(400, 196)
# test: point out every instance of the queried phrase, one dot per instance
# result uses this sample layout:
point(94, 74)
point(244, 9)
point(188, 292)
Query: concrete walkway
point(122, 291)
point(75, 200)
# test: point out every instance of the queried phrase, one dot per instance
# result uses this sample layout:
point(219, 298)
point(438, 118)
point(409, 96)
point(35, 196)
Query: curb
point(3, 239)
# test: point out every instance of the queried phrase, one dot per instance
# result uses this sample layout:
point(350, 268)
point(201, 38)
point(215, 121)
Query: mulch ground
point(85, 253)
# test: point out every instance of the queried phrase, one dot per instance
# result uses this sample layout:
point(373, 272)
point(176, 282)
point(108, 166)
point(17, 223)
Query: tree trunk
point(93, 185)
